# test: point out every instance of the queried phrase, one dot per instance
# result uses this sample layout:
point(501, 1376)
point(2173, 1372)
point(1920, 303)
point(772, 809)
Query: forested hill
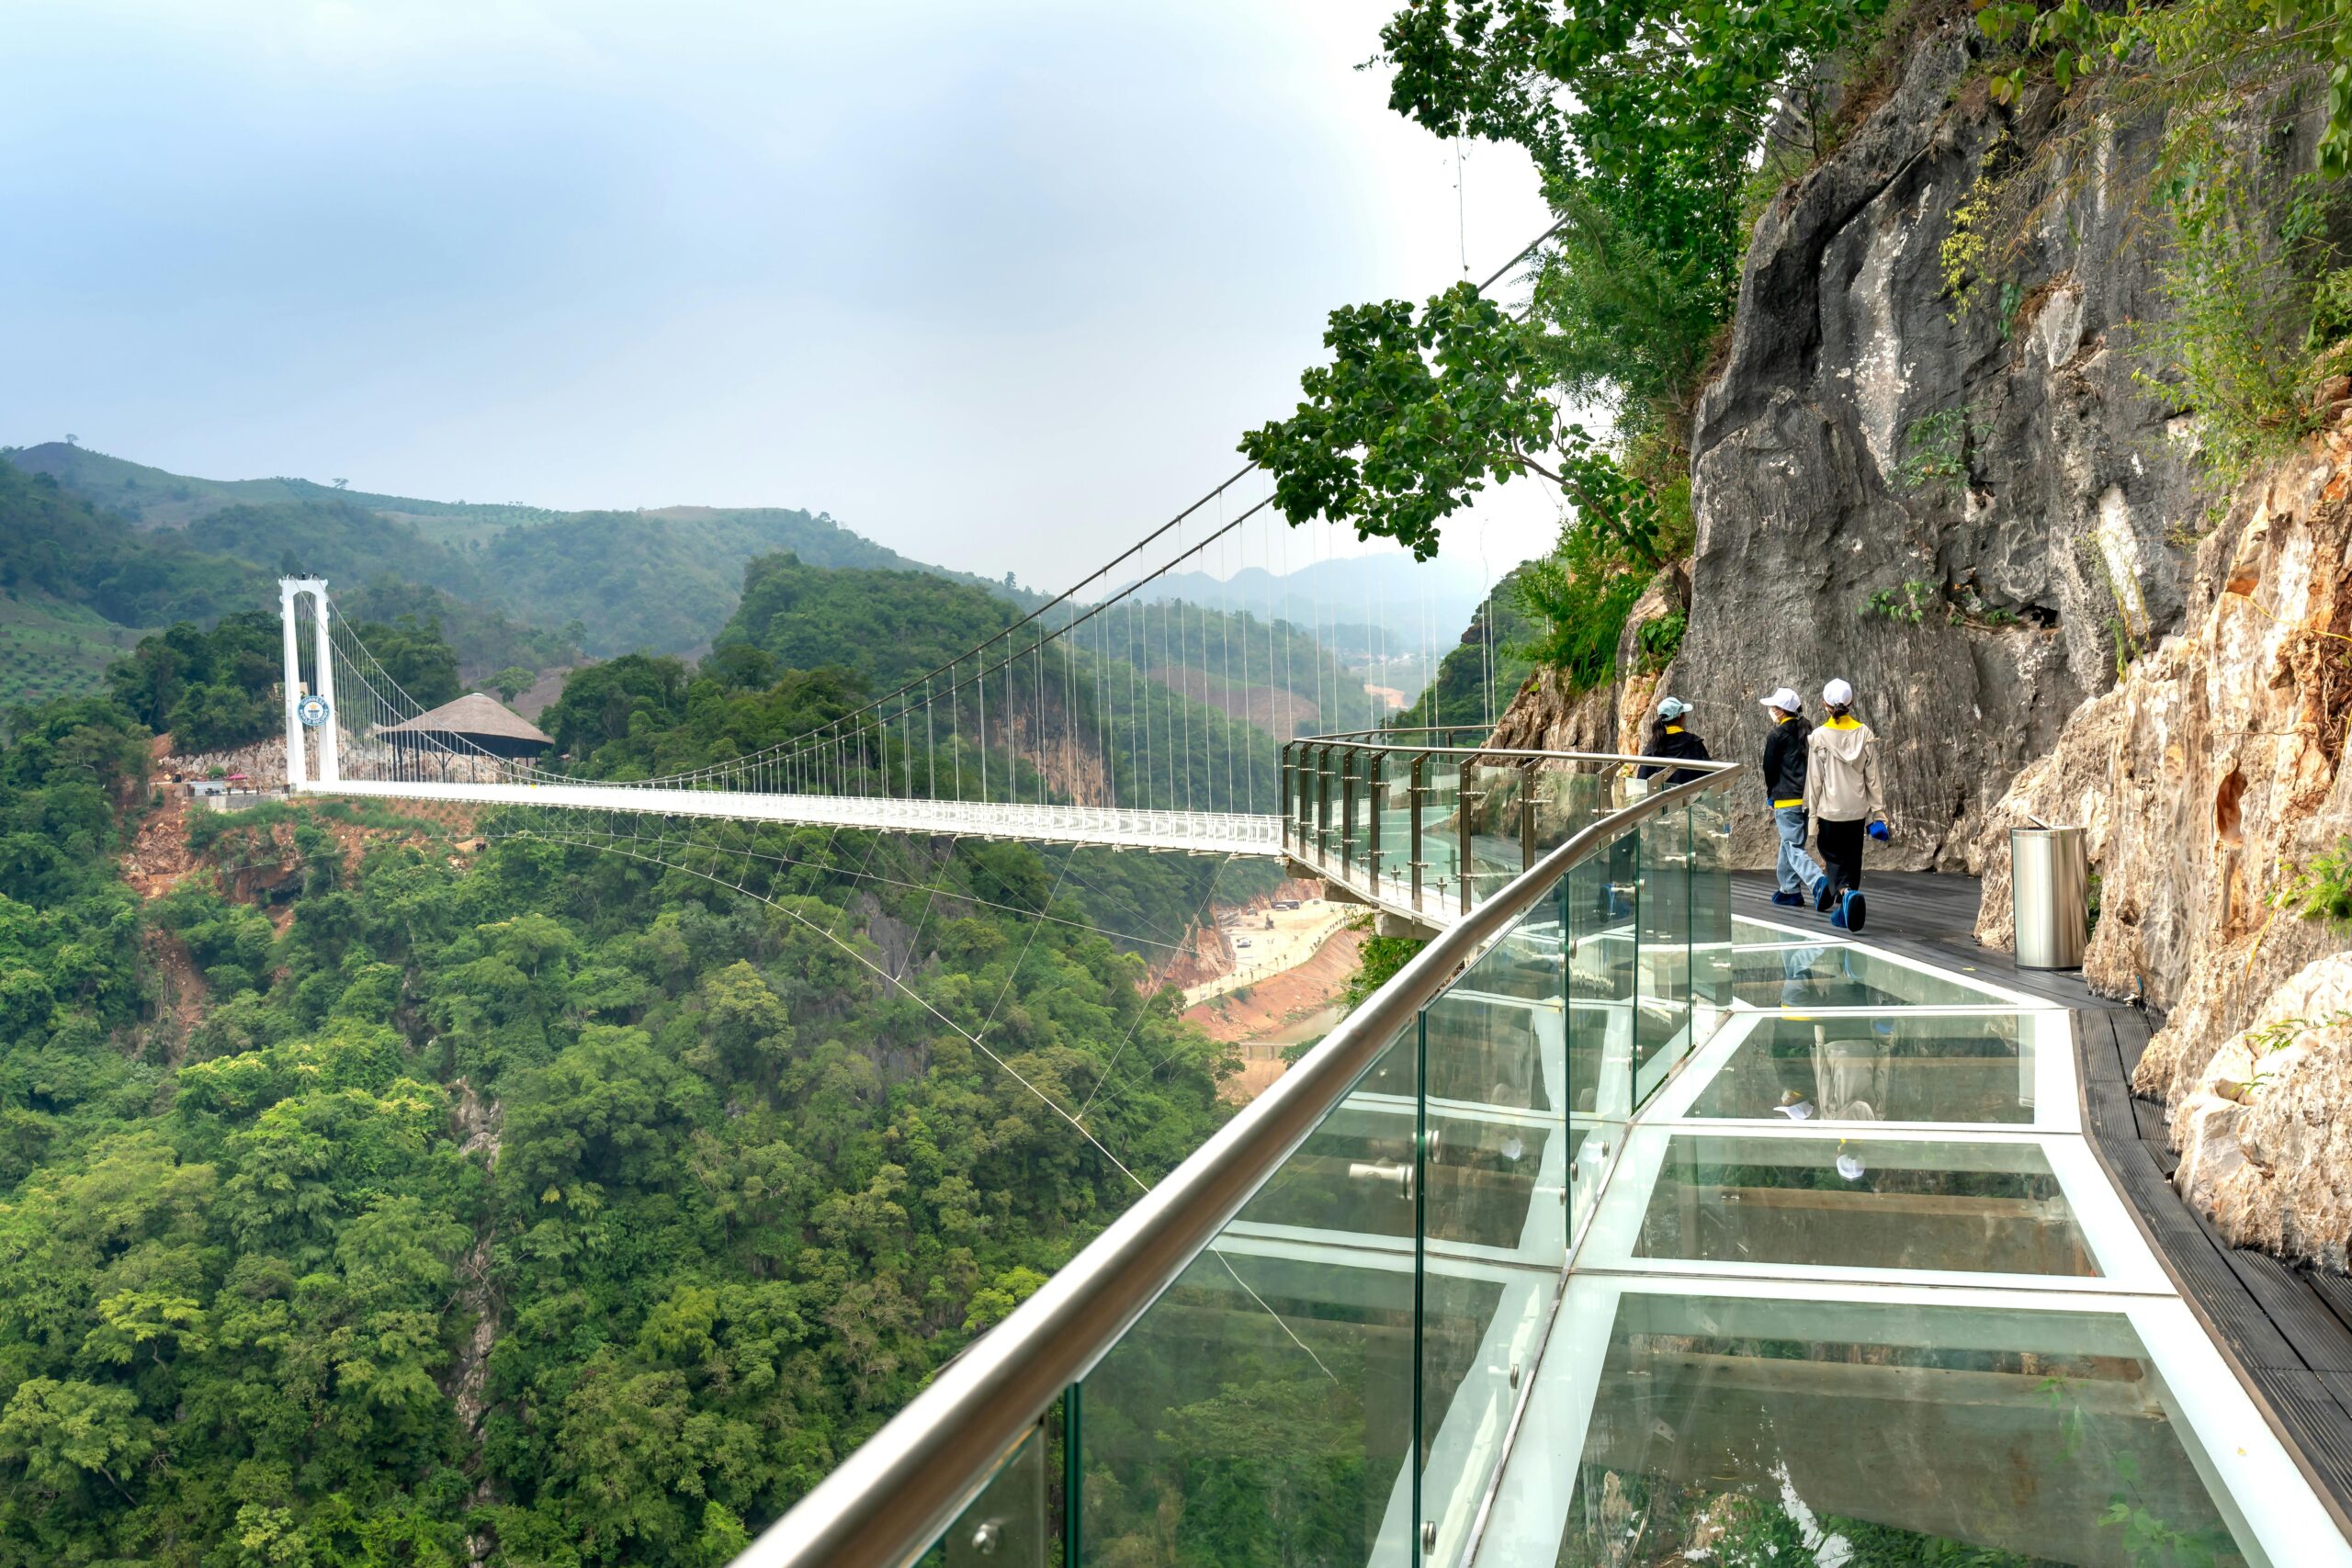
point(657, 579)
point(79, 586)
point(367, 1200)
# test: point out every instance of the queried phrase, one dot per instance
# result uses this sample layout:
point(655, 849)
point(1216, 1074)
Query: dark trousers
point(1841, 851)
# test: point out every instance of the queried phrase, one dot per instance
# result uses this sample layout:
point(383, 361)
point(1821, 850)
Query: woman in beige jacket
point(1843, 798)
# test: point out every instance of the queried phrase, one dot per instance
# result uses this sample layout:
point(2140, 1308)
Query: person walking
point(1784, 775)
point(1669, 738)
point(1843, 797)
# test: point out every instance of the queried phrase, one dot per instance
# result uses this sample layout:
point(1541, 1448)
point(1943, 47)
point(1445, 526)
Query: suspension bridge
point(1118, 714)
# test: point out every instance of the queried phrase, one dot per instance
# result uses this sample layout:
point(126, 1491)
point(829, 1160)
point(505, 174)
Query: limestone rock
point(2208, 780)
point(2068, 787)
point(1546, 717)
point(2266, 1131)
point(1868, 432)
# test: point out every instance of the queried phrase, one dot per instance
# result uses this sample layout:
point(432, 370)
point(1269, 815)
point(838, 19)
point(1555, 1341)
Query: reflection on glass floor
point(1855, 1293)
point(1816, 974)
point(1852, 1203)
point(1933, 1067)
point(1863, 1433)
point(1839, 1287)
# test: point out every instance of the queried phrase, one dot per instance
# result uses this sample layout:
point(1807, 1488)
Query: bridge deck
point(1196, 832)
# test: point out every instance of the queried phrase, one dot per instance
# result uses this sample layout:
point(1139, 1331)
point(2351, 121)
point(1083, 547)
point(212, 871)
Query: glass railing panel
point(1262, 1411)
point(1495, 1039)
point(1327, 796)
point(1356, 1174)
point(1496, 857)
point(1306, 803)
point(1494, 1240)
point(1711, 922)
point(1361, 768)
point(1862, 1204)
point(1442, 834)
point(1007, 1525)
point(1936, 1067)
point(1596, 910)
point(1393, 803)
point(1663, 1018)
point(1744, 1430)
point(1491, 1053)
point(1343, 767)
point(1568, 796)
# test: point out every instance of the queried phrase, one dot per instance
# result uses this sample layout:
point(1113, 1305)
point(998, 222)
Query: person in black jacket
point(1669, 738)
point(1784, 767)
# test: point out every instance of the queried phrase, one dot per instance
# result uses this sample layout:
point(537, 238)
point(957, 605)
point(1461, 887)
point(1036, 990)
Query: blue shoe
point(1852, 910)
point(1837, 916)
point(1825, 893)
point(1789, 900)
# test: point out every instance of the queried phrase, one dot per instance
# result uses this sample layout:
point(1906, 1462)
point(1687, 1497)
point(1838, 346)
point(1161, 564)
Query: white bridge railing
point(1199, 832)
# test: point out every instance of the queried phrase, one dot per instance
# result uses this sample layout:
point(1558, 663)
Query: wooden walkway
point(2286, 1331)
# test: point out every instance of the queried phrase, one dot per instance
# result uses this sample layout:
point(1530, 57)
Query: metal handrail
point(1383, 741)
point(888, 1501)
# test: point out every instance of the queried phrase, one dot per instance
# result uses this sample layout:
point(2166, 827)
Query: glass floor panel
point(1835, 974)
point(1844, 1288)
point(1884, 1066)
point(1881, 1203)
point(1736, 1430)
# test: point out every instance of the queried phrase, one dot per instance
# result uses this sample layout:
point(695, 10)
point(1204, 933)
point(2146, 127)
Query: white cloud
point(990, 284)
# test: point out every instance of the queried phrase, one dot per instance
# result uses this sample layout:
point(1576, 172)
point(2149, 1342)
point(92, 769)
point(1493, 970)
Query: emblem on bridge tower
point(312, 711)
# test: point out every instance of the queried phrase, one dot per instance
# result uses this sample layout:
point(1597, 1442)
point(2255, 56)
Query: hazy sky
point(997, 284)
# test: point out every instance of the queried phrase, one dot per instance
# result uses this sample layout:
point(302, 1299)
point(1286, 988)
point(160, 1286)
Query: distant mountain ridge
point(664, 578)
point(1392, 591)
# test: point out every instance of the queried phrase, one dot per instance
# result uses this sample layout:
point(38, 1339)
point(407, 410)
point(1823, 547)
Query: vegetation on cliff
point(579, 1200)
point(1645, 123)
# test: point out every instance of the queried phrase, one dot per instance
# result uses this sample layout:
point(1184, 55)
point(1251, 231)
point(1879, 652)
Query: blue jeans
point(1799, 872)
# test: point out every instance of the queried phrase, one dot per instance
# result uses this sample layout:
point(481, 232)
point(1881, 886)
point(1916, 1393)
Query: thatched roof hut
point(474, 723)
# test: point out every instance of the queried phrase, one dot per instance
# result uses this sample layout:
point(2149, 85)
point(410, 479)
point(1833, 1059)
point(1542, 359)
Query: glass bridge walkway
point(1616, 1230)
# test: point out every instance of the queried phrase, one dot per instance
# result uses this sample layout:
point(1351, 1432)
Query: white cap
point(1837, 693)
point(1786, 701)
point(1672, 708)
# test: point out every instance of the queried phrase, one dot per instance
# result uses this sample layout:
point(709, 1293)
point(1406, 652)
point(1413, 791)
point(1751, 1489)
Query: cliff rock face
point(2206, 781)
point(1546, 717)
point(1994, 469)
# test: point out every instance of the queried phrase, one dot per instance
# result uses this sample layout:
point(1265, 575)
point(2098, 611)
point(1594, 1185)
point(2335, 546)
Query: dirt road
point(1278, 940)
point(1298, 1004)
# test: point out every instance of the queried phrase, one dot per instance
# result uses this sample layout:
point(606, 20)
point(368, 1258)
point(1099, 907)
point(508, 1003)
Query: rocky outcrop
point(2264, 1136)
point(476, 1124)
point(1989, 467)
point(2208, 781)
point(1545, 715)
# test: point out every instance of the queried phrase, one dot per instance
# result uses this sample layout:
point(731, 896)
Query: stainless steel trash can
point(2049, 889)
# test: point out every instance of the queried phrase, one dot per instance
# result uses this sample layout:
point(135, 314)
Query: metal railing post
point(1285, 762)
point(1323, 806)
point(1527, 814)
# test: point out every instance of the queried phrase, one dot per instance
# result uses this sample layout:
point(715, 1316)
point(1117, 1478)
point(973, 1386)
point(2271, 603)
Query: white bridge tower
point(313, 710)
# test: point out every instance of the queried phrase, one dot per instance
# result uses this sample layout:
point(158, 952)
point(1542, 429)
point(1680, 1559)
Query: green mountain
point(77, 585)
point(533, 564)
